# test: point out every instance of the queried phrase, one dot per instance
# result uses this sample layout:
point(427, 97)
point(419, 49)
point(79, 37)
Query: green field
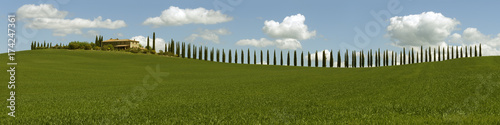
point(97, 87)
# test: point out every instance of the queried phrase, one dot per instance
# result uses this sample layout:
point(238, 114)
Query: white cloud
point(490, 45)
point(292, 27)
point(159, 42)
point(45, 16)
point(291, 44)
point(288, 43)
point(427, 28)
point(174, 16)
point(41, 11)
point(210, 35)
point(320, 56)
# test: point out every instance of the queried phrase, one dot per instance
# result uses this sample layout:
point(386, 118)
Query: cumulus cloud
point(174, 16)
point(40, 11)
point(287, 33)
point(291, 44)
point(472, 37)
point(427, 28)
point(291, 27)
point(143, 40)
point(210, 35)
point(45, 16)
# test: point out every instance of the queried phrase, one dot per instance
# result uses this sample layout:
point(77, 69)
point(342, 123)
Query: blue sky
point(333, 23)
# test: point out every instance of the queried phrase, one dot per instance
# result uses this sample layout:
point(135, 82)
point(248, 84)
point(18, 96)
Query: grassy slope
point(62, 86)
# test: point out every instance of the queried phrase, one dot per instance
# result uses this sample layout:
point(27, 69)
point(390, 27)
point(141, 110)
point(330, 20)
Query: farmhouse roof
point(119, 40)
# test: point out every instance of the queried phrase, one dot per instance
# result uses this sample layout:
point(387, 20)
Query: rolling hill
point(98, 87)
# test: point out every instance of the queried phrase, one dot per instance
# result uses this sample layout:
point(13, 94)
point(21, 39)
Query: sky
point(263, 25)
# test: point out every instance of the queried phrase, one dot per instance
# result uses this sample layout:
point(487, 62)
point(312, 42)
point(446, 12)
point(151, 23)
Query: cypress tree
point(200, 53)
point(44, 46)
point(281, 57)
point(147, 45)
point(470, 52)
point(466, 55)
point(439, 53)
point(316, 59)
point(288, 58)
point(480, 51)
point(331, 58)
point(346, 59)
point(456, 51)
point(294, 58)
point(421, 54)
point(96, 41)
point(212, 54)
point(206, 53)
point(324, 59)
point(338, 59)
point(236, 56)
point(308, 59)
point(475, 51)
point(434, 57)
point(254, 57)
point(354, 59)
point(223, 56)
point(218, 56)
point(154, 43)
point(229, 56)
point(274, 57)
point(461, 52)
point(404, 56)
point(242, 57)
point(302, 58)
point(401, 57)
point(426, 56)
point(248, 56)
point(451, 54)
point(189, 51)
point(268, 57)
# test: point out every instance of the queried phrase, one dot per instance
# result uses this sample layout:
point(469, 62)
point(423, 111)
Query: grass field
point(92, 87)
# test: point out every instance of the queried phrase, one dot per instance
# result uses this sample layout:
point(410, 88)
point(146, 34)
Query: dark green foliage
point(331, 58)
point(200, 53)
point(308, 59)
point(236, 56)
point(439, 53)
point(302, 58)
point(242, 57)
point(154, 43)
point(229, 56)
point(267, 56)
point(434, 55)
point(461, 52)
point(422, 54)
point(206, 53)
point(254, 57)
point(447, 53)
point(456, 51)
point(189, 51)
point(475, 51)
point(281, 58)
point(274, 57)
point(480, 51)
point(218, 56)
point(212, 54)
point(346, 59)
point(466, 55)
point(316, 59)
point(294, 58)
point(338, 59)
point(404, 56)
point(147, 45)
point(470, 51)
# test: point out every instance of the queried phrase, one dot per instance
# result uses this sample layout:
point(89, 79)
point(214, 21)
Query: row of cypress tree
point(358, 59)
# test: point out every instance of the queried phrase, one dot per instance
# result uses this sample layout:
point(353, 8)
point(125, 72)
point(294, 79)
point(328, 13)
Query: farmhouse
point(122, 43)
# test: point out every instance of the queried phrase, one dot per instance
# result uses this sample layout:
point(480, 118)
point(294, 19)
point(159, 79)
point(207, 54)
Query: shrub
point(160, 52)
point(88, 47)
point(152, 51)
